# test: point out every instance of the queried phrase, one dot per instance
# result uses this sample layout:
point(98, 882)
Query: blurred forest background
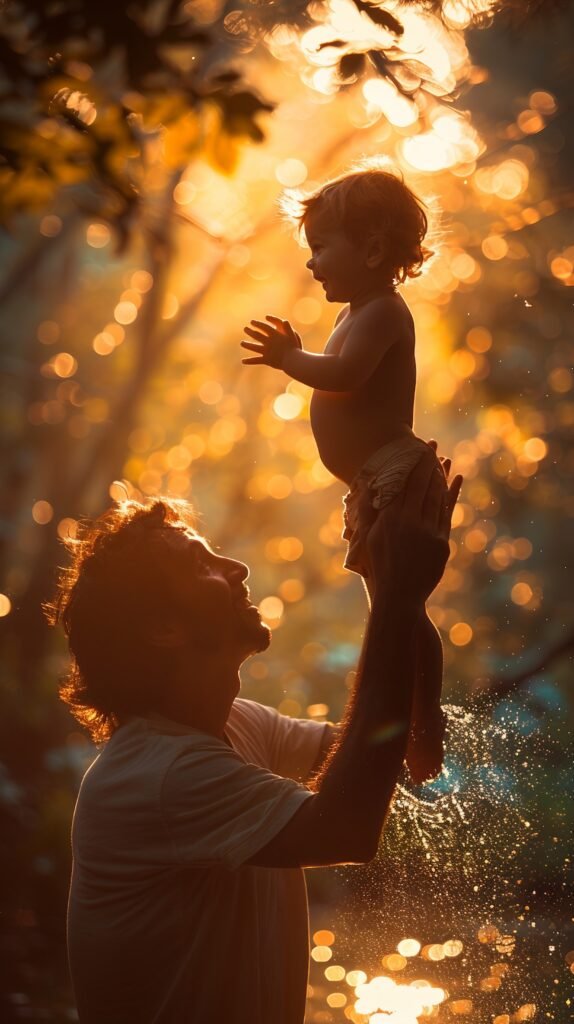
point(143, 150)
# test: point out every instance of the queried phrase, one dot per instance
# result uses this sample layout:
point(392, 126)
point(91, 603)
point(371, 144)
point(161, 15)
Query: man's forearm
point(356, 785)
point(320, 371)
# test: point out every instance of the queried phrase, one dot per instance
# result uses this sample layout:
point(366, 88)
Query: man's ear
point(375, 253)
point(167, 634)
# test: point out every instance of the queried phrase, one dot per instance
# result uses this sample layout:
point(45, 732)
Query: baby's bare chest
point(337, 339)
point(394, 370)
point(387, 393)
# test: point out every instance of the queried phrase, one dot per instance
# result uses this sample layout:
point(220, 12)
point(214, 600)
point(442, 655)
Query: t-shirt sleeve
point(219, 810)
point(293, 744)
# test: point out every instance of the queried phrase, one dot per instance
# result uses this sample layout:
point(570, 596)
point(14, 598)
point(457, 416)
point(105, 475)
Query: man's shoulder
point(127, 771)
point(255, 728)
point(252, 712)
point(146, 746)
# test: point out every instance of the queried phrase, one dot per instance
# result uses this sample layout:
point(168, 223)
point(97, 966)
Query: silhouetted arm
point(372, 332)
point(342, 821)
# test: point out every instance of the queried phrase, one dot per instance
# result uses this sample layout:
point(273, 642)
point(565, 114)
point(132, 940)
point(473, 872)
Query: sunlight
point(385, 97)
point(459, 13)
point(131, 271)
point(398, 1002)
point(451, 141)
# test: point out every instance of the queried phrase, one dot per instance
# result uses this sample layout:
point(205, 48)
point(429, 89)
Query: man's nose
point(310, 264)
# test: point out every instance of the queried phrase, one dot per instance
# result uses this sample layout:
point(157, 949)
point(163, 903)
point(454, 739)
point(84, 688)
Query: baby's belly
point(347, 434)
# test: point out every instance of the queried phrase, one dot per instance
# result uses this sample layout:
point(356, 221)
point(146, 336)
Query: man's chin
point(261, 638)
point(256, 637)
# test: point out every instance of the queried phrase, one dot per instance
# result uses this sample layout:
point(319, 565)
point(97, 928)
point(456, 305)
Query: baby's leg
point(425, 749)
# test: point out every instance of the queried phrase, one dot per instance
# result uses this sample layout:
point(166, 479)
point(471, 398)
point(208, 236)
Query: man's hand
point(408, 541)
point(274, 341)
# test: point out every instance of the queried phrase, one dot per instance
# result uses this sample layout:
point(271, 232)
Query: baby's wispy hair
point(370, 199)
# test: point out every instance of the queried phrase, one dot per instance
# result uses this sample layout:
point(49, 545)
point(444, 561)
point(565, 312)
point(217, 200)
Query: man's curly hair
point(107, 601)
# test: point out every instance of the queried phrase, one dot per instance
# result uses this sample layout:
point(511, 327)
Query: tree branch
point(504, 686)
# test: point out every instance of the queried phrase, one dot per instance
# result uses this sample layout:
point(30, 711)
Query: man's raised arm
point(342, 821)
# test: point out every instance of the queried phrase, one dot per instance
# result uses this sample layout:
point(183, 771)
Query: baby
point(365, 231)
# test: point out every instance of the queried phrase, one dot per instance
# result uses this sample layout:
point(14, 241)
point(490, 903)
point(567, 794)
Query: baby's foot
point(425, 750)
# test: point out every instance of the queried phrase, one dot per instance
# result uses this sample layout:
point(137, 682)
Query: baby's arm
point(373, 330)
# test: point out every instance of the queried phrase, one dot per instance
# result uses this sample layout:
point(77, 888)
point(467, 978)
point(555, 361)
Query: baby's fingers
point(258, 335)
point(262, 326)
point(282, 326)
point(252, 347)
point(253, 362)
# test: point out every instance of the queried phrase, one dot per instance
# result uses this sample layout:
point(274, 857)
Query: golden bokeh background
point(123, 378)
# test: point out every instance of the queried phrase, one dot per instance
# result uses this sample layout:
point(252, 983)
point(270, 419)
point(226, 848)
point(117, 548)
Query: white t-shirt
point(166, 922)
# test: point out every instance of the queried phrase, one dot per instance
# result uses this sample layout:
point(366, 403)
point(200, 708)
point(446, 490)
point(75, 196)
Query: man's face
point(211, 599)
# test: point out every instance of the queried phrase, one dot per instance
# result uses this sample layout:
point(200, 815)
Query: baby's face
point(337, 262)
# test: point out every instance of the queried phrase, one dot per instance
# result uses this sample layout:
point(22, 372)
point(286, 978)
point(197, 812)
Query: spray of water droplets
point(459, 868)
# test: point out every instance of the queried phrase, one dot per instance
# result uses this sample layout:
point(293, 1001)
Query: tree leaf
point(398, 72)
point(351, 64)
point(222, 151)
point(227, 77)
point(181, 141)
point(380, 16)
point(332, 42)
point(239, 110)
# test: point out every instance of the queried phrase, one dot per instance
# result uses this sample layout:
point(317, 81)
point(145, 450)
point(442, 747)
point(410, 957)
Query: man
point(187, 900)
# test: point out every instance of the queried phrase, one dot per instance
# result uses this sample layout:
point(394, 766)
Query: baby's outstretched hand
point(271, 341)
